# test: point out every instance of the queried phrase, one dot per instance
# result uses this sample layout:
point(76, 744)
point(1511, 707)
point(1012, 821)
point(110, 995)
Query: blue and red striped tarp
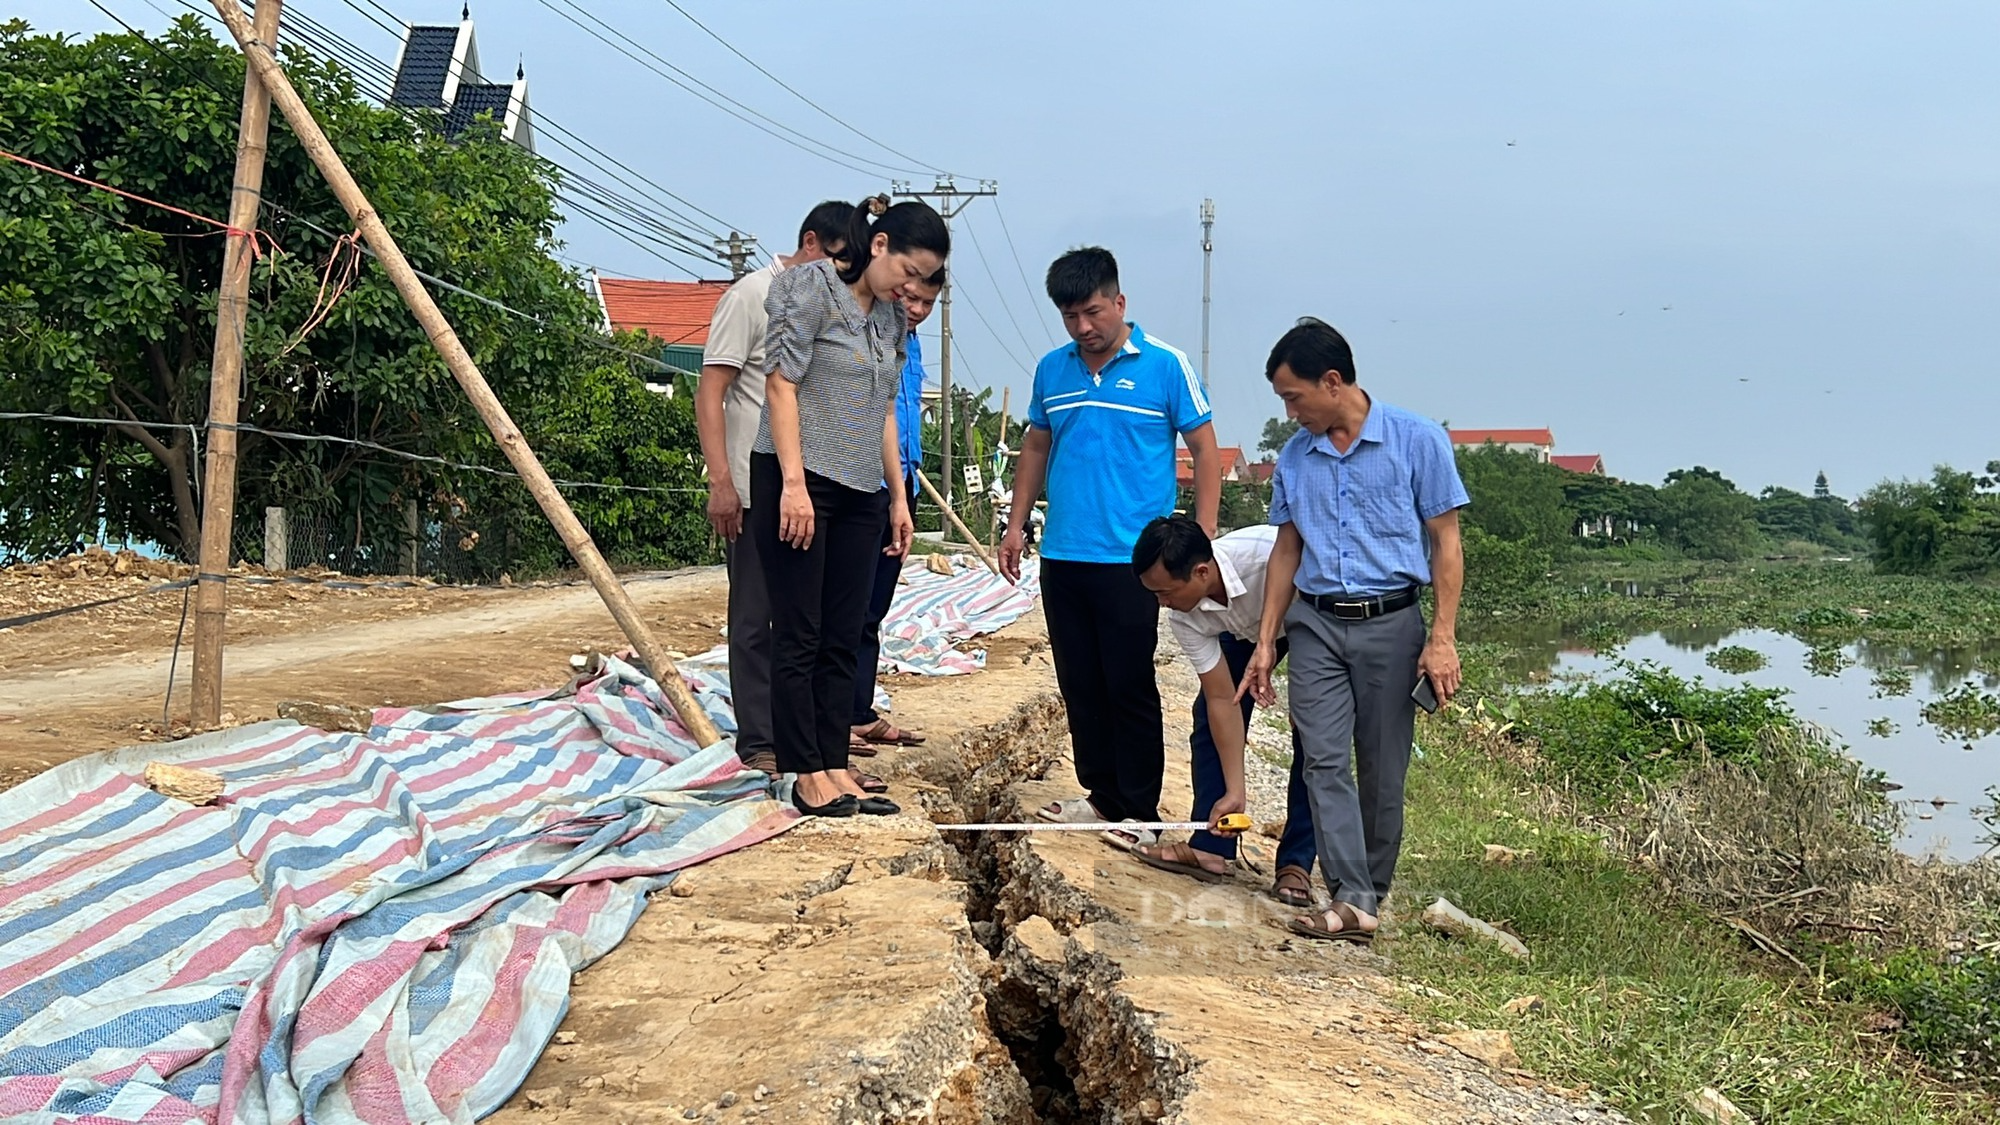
point(373, 928)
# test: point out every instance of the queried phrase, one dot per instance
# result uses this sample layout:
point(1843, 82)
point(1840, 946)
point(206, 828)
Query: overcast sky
point(1753, 237)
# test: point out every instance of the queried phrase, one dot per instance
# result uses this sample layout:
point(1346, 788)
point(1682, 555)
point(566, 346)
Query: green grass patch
point(1736, 660)
point(1645, 998)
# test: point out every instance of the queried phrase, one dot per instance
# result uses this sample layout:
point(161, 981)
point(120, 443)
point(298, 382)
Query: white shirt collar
point(1232, 585)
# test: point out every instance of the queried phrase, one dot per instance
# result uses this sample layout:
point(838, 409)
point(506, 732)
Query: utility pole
point(736, 250)
point(951, 199)
point(225, 384)
point(1207, 252)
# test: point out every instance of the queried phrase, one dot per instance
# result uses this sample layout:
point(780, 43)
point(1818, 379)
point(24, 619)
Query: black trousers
point(819, 596)
point(868, 659)
point(1103, 626)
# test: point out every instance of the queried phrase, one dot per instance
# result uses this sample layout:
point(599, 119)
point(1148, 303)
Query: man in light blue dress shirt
point(1365, 498)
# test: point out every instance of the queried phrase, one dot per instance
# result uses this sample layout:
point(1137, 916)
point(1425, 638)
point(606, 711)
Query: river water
point(1944, 777)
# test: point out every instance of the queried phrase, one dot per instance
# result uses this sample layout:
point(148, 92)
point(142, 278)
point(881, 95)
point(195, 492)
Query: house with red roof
point(1235, 466)
point(676, 313)
point(1541, 443)
point(1588, 463)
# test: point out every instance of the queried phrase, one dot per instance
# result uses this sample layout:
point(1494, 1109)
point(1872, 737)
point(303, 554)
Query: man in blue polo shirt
point(1103, 419)
point(1366, 499)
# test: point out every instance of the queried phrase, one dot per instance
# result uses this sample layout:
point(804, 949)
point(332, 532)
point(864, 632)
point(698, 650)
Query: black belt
point(1346, 607)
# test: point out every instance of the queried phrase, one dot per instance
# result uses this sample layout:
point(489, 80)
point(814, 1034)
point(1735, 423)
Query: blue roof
point(426, 63)
point(474, 99)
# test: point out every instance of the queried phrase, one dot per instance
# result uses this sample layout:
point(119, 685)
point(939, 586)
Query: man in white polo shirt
point(727, 405)
point(1214, 592)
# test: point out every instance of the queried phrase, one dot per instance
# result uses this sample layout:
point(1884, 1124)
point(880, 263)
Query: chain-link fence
point(447, 541)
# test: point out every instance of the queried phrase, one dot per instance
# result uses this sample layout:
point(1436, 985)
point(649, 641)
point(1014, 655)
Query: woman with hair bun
point(826, 477)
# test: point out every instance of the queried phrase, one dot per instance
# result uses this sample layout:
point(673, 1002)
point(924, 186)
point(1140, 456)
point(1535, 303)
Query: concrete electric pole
point(951, 199)
point(736, 250)
point(1207, 253)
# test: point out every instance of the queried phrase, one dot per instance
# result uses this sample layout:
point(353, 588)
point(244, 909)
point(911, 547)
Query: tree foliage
point(1949, 524)
point(107, 310)
point(1277, 431)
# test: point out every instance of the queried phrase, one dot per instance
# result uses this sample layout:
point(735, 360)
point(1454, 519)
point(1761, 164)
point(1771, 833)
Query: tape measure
point(1234, 822)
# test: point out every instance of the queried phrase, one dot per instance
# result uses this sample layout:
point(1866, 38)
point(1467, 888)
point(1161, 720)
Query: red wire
point(256, 250)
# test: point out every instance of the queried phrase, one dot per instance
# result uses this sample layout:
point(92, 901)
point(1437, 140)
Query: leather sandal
point(1293, 886)
point(869, 783)
point(1190, 866)
point(1315, 925)
point(886, 733)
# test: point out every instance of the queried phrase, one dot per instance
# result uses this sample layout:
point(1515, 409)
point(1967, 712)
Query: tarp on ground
point(374, 928)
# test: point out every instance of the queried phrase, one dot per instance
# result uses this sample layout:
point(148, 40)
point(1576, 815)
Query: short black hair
point(829, 221)
point(1177, 542)
point(1311, 348)
point(1083, 273)
point(935, 281)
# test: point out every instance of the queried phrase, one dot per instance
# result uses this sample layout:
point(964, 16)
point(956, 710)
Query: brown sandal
point(885, 733)
point(1315, 926)
point(1157, 857)
point(859, 748)
point(868, 782)
point(1293, 886)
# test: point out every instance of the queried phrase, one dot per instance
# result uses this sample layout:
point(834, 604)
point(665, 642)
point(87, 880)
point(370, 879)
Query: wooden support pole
point(958, 523)
point(225, 382)
point(1000, 469)
point(265, 65)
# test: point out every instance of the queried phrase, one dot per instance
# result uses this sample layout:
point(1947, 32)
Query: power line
point(375, 79)
point(787, 87)
point(1034, 298)
point(332, 439)
point(1005, 306)
point(688, 82)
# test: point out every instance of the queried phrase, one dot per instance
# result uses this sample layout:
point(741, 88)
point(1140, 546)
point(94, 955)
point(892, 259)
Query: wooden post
point(958, 523)
point(1000, 469)
point(225, 381)
point(265, 65)
point(276, 550)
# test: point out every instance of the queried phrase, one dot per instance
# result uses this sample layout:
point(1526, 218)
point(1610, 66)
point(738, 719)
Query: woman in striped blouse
point(825, 473)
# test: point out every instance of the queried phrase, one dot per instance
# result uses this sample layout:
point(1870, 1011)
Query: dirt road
point(97, 680)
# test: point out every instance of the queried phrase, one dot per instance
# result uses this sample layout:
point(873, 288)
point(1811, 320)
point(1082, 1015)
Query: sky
point(1754, 237)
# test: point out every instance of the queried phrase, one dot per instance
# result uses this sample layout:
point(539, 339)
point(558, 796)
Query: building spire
point(521, 69)
point(465, 11)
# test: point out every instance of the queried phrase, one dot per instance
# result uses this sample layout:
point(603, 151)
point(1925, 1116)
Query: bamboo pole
point(1006, 409)
point(225, 382)
point(505, 433)
point(957, 523)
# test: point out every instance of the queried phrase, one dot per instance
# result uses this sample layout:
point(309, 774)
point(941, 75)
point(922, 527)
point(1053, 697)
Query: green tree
point(1277, 431)
point(107, 307)
point(1516, 497)
point(1702, 514)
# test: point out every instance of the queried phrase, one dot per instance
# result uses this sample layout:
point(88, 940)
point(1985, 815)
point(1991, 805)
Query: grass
point(1645, 997)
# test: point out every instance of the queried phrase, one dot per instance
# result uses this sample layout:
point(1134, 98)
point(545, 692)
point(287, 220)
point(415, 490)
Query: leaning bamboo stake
point(957, 523)
point(574, 537)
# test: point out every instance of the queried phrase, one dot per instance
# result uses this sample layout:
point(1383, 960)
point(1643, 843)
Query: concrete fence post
point(412, 531)
point(274, 540)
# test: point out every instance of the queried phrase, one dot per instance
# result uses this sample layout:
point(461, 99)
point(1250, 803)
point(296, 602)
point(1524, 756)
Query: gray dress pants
point(1350, 684)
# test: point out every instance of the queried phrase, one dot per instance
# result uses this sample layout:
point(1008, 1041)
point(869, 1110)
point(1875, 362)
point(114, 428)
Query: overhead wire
point(788, 88)
point(595, 201)
point(802, 141)
point(1034, 296)
point(999, 292)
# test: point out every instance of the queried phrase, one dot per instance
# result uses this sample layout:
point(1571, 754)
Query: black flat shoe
point(878, 806)
point(843, 805)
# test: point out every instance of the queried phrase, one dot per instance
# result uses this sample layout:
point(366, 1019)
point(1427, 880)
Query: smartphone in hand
point(1425, 695)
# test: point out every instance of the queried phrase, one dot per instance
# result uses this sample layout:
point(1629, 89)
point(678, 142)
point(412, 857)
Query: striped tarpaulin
point(373, 928)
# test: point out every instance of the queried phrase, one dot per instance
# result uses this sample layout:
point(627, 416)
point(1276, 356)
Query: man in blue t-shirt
point(1103, 419)
point(871, 729)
